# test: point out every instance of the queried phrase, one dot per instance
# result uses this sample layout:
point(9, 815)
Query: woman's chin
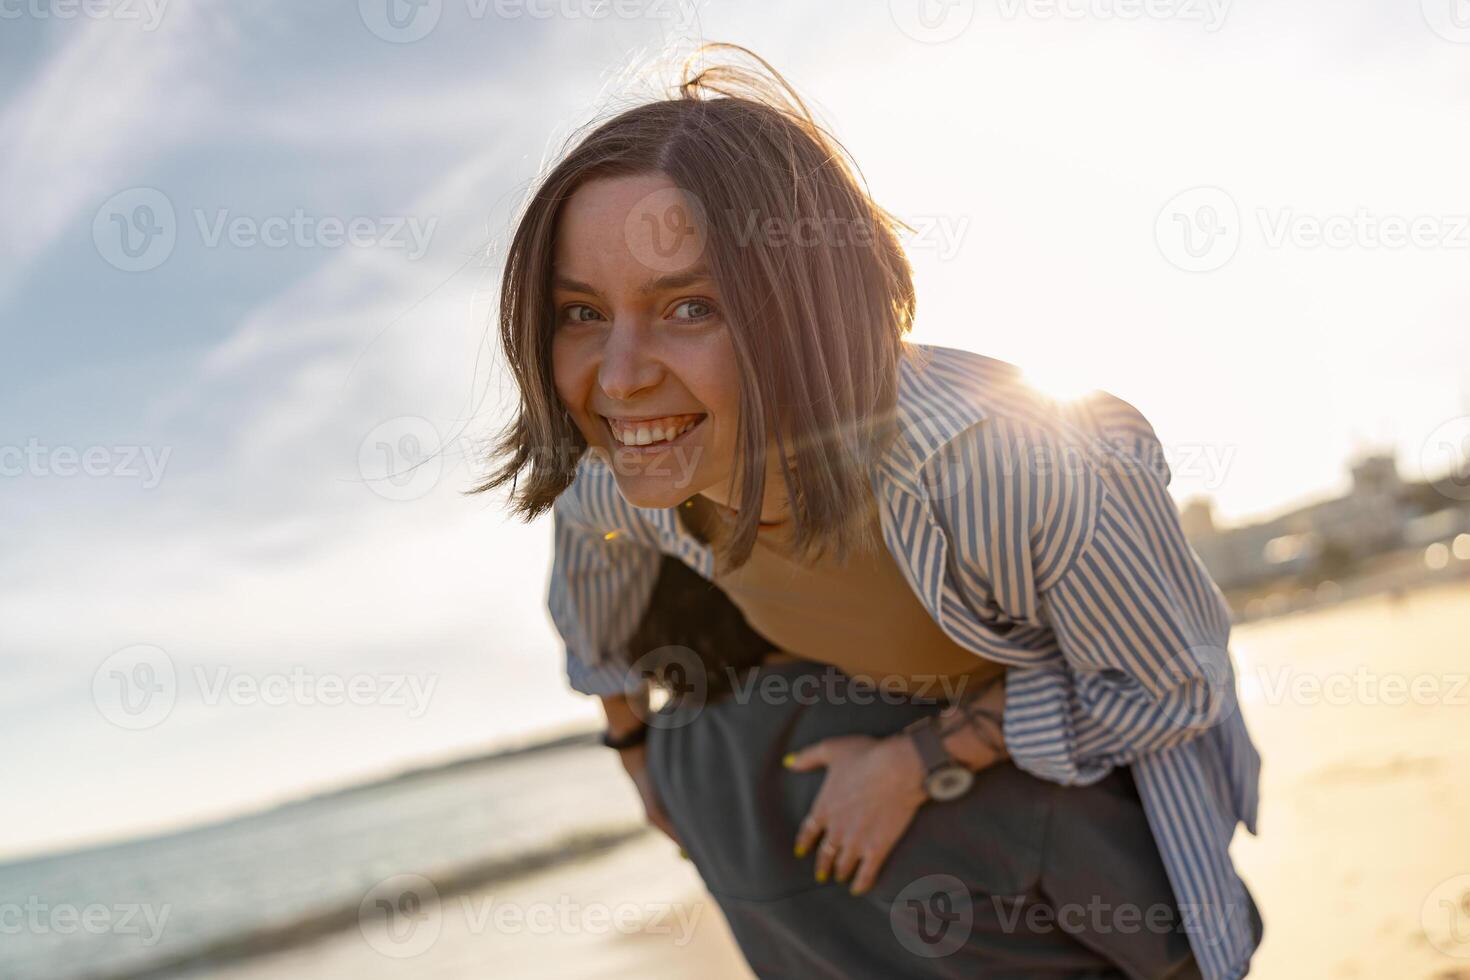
point(653, 492)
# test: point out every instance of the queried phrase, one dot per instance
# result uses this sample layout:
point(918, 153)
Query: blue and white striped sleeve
point(1085, 542)
point(598, 593)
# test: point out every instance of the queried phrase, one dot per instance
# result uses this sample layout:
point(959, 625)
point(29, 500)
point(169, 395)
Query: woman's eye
point(701, 309)
point(573, 313)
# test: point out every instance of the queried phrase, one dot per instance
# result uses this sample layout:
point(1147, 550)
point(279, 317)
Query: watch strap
point(627, 740)
point(932, 752)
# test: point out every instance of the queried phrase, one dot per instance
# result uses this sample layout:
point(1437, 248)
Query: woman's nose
point(628, 367)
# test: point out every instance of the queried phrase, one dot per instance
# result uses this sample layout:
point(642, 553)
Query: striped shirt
point(1038, 533)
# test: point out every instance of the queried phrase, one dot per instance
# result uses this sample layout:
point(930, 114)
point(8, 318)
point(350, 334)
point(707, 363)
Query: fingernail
point(788, 760)
point(799, 851)
point(683, 854)
point(821, 877)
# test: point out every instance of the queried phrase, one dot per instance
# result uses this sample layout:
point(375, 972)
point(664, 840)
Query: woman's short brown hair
point(818, 295)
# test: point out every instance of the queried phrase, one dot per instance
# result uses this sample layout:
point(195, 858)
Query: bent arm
point(598, 592)
point(1082, 543)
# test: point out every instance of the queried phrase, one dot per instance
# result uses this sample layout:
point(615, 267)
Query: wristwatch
point(944, 778)
point(627, 740)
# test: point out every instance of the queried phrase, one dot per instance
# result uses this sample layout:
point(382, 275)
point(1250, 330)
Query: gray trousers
point(1019, 878)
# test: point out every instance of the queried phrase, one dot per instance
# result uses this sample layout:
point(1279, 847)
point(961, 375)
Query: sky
point(247, 287)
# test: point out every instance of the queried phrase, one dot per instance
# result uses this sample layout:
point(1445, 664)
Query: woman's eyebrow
point(659, 284)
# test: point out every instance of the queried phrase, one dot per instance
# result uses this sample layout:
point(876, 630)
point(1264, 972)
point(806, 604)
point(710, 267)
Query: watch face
point(949, 782)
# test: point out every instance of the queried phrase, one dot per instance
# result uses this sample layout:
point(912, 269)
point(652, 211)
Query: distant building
point(1379, 514)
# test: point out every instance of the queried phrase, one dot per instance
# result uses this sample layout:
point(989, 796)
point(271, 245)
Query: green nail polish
point(788, 759)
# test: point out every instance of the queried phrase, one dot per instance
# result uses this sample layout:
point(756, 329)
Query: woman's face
point(641, 353)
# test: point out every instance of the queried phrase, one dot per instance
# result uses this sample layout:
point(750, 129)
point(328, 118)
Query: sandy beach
point(1366, 801)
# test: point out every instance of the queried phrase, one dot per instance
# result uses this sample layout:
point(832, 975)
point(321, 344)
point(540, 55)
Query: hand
point(871, 792)
point(635, 761)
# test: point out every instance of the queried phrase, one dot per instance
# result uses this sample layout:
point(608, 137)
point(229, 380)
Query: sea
point(176, 904)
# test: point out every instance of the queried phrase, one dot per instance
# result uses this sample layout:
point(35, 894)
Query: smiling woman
point(750, 469)
point(653, 280)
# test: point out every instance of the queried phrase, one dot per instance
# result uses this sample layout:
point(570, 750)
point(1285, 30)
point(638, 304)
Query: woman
point(995, 671)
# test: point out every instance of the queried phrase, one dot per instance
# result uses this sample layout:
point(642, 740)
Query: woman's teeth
point(652, 430)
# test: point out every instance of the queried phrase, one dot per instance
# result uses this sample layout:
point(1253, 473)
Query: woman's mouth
point(652, 435)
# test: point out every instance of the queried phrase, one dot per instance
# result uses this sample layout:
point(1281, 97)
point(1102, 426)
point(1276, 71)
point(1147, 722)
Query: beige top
point(860, 615)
